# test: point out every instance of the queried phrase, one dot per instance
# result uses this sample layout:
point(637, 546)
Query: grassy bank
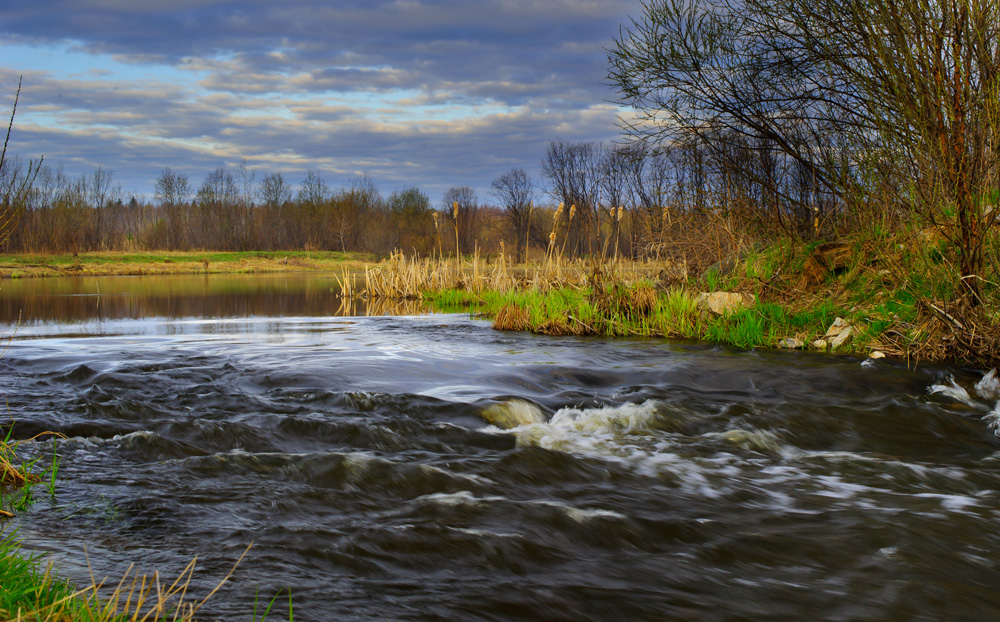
point(641, 309)
point(176, 262)
point(895, 289)
point(894, 296)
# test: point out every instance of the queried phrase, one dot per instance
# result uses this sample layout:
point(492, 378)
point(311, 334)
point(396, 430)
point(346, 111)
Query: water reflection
point(86, 299)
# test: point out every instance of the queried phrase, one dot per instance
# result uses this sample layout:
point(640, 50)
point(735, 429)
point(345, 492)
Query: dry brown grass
point(401, 277)
point(631, 302)
point(512, 317)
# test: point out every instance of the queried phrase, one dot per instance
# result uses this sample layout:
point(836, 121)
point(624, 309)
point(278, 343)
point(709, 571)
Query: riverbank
point(895, 296)
point(178, 262)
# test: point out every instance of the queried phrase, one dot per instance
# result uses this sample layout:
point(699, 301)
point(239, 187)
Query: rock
point(839, 332)
point(835, 256)
point(819, 344)
point(838, 325)
point(513, 413)
point(876, 355)
point(724, 303)
point(826, 258)
point(839, 340)
point(791, 343)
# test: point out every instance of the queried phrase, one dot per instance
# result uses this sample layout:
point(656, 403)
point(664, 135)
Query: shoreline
point(38, 265)
point(849, 307)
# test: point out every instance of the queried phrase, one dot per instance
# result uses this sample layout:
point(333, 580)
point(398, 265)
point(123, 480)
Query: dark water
point(660, 481)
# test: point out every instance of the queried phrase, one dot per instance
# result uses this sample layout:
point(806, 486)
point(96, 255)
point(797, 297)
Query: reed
point(454, 208)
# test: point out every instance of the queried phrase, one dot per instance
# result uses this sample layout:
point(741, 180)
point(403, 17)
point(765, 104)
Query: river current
point(427, 467)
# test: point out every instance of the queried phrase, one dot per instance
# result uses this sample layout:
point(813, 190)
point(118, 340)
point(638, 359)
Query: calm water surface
point(426, 467)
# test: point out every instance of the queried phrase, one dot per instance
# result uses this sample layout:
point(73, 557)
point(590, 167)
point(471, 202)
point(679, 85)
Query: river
point(427, 467)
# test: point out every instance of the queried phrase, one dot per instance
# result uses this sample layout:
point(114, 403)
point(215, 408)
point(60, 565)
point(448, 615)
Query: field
point(187, 262)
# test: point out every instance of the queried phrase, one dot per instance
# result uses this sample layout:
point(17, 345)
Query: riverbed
point(426, 467)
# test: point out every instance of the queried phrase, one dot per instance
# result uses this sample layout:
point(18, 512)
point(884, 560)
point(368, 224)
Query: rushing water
point(426, 467)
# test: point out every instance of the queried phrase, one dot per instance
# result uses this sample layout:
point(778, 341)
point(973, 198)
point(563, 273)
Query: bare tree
point(243, 230)
point(172, 188)
point(616, 190)
point(513, 191)
point(574, 171)
point(468, 215)
point(273, 191)
point(218, 197)
point(410, 210)
point(15, 188)
point(313, 189)
point(98, 189)
point(865, 99)
point(172, 191)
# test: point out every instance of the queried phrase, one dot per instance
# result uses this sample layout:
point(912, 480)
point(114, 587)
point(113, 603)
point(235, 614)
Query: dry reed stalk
point(553, 235)
point(12, 476)
point(346, 281)
point(527, 231)
point(512, 317)
point(618, 230)
point(454, 207)
point(437, 233)
point(569, 228)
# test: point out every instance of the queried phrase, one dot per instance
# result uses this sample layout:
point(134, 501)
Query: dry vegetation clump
point(688, 243)
point(15, 473)
point(12, 473)
point(402, 277)
point(399, 277)
point(512, 317)
point(631, 302)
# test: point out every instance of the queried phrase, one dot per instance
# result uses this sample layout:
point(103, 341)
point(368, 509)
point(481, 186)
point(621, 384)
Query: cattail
point(527, 232)
point(454, 211)
point(572, 212)
point(552, 239)
point(559, 211)
point(621, 210)
point(436, 225)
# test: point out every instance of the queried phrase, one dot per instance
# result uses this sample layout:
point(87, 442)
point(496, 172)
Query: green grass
point(675, 314)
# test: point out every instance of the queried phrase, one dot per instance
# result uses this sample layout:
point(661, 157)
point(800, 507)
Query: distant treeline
point(616, 199)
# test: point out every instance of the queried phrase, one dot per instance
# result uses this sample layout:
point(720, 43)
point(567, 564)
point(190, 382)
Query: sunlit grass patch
point(175, 262)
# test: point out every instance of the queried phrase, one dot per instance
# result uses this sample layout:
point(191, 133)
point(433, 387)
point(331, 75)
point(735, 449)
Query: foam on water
point(601, 431)
point(988, 388)
point(992, 419)
point(954, 391)
point(647, 439)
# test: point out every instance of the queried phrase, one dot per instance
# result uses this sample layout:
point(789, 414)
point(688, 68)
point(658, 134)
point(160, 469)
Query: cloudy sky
point(433, 93)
